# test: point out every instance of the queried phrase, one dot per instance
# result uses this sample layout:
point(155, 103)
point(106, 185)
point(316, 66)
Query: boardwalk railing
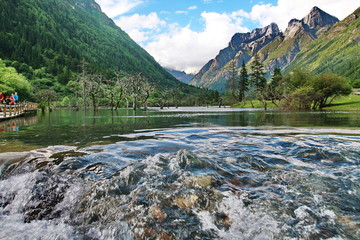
point(15, 110)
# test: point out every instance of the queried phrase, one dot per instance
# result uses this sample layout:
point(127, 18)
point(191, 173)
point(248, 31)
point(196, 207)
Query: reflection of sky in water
point(79, 128)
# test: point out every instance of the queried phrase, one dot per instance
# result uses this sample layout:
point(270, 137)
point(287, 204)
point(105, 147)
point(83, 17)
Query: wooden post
point(3, 109)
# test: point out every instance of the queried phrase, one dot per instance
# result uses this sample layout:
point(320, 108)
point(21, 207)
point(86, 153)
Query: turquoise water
point(79, 128)
point(192, 173)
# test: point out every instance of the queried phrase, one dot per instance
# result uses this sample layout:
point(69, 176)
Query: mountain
point(317, 18)
point(275, 48)
point(55, 35)
point(180, 75)
point(241, 48)
point(297, 35)
point(336, 51)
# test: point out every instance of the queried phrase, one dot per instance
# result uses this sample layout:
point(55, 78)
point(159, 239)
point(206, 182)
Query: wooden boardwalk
point(16, 110)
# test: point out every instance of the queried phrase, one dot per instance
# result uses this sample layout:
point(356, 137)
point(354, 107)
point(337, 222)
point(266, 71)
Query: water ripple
point(190, 183)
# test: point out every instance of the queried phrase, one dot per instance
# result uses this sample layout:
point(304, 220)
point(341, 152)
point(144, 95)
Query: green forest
point(298, 90)
point(48, 41)
point(58, 34)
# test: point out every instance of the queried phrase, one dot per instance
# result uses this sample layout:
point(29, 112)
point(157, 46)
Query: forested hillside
point(50, 38)
point(337, 51)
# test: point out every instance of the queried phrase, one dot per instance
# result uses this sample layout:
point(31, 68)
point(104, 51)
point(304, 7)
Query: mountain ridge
point(241, 42)
point(278, 50)
point(180, 75)
point(334, 51)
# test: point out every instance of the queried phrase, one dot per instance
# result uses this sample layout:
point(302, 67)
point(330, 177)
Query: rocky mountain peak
point(244, 38)
point(315, 23)
point(319, 18)
point(294, 26)
point(271, 29)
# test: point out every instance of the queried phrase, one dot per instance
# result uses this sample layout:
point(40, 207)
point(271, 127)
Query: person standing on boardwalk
point(16, 98)
point(2, 97)
point(12, 100)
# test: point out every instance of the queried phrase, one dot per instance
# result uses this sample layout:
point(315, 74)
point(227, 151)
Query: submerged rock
point(189, 160)
point(203, 181)
point(9, 158)
point(156, 212)
point(186, 202)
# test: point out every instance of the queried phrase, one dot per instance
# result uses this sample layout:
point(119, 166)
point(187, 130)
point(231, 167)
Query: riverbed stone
point(186, 202)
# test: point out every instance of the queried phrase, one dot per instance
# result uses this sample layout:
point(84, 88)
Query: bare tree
point(175, 97)
point(45, 97)
point(115, 89)
point(163, 97)
point(83, 82)
point(147, 88)
point(91, 87)
point(95, 89)
point(139, 89)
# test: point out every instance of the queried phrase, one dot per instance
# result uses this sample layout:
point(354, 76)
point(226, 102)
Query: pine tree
point(233, 80)
point(258, 80)
point(274, 93)
point(243, 82)
point(257, 75)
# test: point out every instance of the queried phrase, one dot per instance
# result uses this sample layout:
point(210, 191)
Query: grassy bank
point(256, 104)
point(343, 103)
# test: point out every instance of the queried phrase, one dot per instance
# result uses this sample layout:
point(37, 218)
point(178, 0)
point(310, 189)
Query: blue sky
point(186, 12)
point(185, 34)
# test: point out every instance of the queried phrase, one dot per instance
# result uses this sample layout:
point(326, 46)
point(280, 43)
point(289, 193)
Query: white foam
point(244, 224)
point(13, 228)
point(19, 187)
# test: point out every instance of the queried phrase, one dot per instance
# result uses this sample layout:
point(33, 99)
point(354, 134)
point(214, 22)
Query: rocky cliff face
point(310, 24)
point(318, 18)
point(276, 49)
point(297, 35)
point(241, 47)
point(335, 50)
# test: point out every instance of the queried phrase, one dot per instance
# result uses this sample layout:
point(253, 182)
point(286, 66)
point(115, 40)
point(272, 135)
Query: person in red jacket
point(12, 99)
point(2, 97)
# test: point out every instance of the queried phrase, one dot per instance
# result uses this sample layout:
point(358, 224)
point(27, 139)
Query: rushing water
point(195, 173)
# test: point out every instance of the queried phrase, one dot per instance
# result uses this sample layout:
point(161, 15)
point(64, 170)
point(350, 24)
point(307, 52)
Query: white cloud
point(192, 7)
point(136, 21)
point(141, 27)
point(184, 49)
point(137, 35)
point(285, 10)
point(181, 12)
point(114, 8)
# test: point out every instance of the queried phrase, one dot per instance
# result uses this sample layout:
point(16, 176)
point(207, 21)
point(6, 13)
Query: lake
point(186, 173)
